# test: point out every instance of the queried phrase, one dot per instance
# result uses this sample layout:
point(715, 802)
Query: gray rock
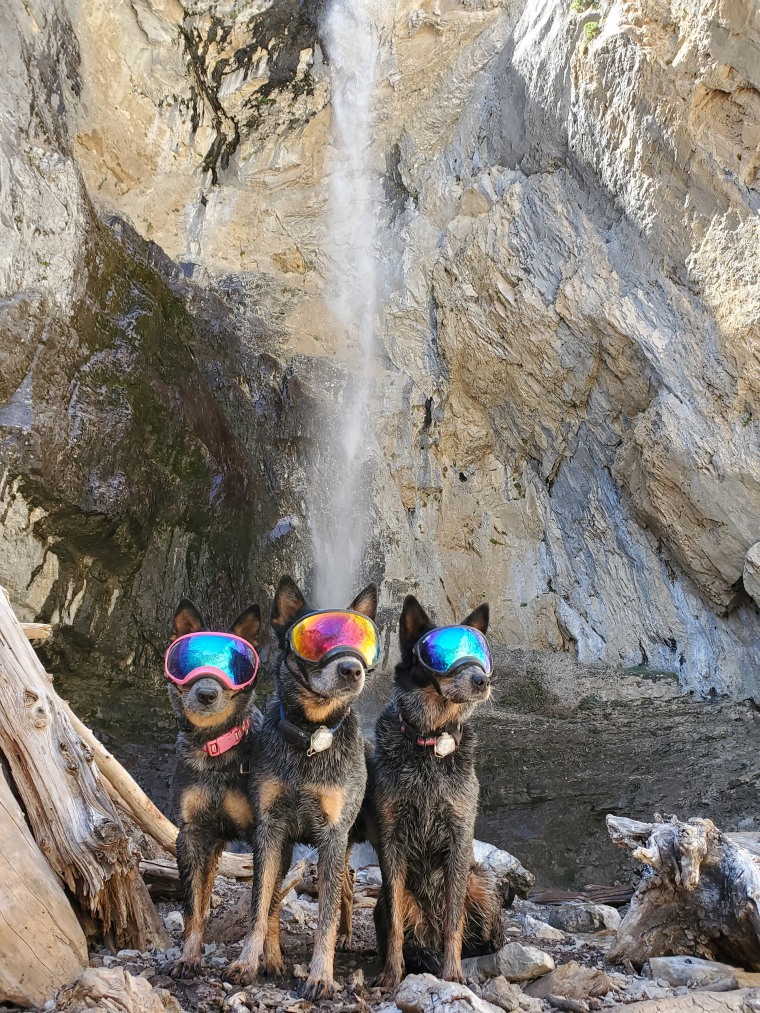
point(509, 997)
point(573, 981)
point(424, 993)
point(515, 962)
point(577, 916)
point(751, 573)
point(531, 926)
point(174, 923)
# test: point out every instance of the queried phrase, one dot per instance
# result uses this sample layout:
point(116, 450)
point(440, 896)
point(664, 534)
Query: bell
point(321, 739)
point(445, 744)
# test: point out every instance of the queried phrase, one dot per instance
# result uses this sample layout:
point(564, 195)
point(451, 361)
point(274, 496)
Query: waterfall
point(338, 505)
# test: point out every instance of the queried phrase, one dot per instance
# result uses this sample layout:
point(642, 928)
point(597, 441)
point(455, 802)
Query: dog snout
point(350, 669)
point(480, 680)
point(207, 695)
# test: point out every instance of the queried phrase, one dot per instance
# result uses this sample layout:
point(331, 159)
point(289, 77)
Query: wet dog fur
point(305, 799)
point(434, 898)
point(210, 792)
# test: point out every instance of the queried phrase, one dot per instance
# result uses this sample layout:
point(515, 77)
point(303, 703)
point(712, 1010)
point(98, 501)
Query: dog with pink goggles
point(226, 657)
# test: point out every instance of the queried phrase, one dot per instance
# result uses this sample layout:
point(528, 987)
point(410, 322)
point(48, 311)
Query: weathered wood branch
point(699, 895)
point(42, 945)
point(130, 797)
point(70, 813)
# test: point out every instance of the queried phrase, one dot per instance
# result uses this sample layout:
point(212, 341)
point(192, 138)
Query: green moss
point(591, 29)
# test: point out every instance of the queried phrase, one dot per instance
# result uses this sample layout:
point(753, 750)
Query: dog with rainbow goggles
point(309, 774)
point(210, 677)
point(424, 800)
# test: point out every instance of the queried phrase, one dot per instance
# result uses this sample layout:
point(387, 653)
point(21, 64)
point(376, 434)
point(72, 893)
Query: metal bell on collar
point(444, 745)
point(321, 740)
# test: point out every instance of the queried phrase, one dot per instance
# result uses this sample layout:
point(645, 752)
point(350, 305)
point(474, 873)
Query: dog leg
point(332, 864)
point(457, 867)
point(269, 842)
point(393, 870)
point(273, 964)
point(197, 859)
point(345, 928)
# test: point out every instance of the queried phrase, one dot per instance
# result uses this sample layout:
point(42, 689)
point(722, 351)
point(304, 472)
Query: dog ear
point(248, 625)
point(413, 623)
point(366, 601)
point(478, 619)
point(288, 602)
point(187, 619)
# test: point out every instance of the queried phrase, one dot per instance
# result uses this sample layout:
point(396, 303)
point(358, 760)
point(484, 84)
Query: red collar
point(215, 747)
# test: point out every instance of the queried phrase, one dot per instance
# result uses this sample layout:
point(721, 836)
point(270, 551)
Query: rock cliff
point(565, 398)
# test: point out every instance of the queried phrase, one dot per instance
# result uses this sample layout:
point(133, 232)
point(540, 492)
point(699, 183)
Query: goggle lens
point(440, 650)
point(222, 656)
point(317, 635)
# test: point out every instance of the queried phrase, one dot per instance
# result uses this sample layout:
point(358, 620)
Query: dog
point(423, 806)
point(303, 792)
point(217, 728)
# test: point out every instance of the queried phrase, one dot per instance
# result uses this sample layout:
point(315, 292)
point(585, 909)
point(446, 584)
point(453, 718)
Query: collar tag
point(444, 745)
point(321, 740)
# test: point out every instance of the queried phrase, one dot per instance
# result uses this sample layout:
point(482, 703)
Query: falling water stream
point(338, 508)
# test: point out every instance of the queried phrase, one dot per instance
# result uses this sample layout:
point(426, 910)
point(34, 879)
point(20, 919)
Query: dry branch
point(70, 814)
point(42, 945)
point(699, 894)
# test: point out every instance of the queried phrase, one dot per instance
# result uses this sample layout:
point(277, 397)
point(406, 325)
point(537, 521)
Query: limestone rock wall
point(565, 411)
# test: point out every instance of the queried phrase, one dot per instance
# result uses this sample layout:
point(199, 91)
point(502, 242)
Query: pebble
point(174, 923)
point(129, 955)
point(173, 953)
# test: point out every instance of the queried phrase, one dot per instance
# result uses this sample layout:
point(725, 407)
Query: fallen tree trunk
point(42, 945)
point(69, 811)
point(699, 895)
point(130, 797)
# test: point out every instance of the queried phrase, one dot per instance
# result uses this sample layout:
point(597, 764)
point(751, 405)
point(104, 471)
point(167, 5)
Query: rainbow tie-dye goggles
point(320, 636)
point(449, 647)
point(223, 656)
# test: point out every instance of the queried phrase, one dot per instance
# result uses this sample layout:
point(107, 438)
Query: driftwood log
point(41, 941)
point(70, 814)
point(698, 897)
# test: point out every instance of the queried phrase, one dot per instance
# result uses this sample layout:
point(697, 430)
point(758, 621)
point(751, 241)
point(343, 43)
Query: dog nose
point(207, 695)
point(479, 679)
point(351, 669)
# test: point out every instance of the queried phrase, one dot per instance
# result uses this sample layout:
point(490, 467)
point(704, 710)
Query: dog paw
point(274, 968)
point(185, 967)
point(389, 979)
point(454, 976)
point(343, 942)
point(315, 988)
point(240, 974)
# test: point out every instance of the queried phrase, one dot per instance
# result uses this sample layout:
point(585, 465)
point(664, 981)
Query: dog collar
point(442, 741)
point(310, 742)
point(221, 744)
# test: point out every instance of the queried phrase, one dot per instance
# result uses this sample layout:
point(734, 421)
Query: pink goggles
point(222, 656)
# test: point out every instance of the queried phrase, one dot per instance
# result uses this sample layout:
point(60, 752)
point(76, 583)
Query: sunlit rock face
point(567, 370)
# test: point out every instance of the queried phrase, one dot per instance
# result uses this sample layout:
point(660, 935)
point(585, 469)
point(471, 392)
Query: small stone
point(580, 917)
point(514, 961)
point(539, 930)
point(356, 978)
point(110, 961)
point(503, 994)
point(173, 953)
point(301, 971)
point(424, 993)
point(573, 981)
point(174, 923)
point(129, 954)
point(216, 901)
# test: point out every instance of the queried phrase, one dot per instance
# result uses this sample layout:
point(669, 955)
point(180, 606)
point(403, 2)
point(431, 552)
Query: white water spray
point(338, 507)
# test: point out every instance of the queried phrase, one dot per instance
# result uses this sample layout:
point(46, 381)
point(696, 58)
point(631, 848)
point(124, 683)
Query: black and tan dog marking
point(303, 796)
point(423, 807)
point(211, 796)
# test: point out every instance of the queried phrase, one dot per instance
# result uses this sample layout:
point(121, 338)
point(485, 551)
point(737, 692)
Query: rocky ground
point(554, 958)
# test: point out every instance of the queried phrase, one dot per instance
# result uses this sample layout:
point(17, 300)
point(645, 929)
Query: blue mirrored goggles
point(448, 647)
point(225, 657)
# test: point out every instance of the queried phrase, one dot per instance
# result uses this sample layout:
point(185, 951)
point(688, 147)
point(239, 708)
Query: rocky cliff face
point(565, 416)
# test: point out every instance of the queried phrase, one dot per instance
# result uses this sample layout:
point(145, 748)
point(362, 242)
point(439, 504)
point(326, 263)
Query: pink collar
point(215, 747)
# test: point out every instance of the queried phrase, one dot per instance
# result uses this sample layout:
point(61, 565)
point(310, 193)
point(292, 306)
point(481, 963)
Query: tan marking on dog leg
point(270, 790)
point(201, 886)
point(272, 950)
point(211, 720)
point(395, 894)
point(246, 967)
point(193, 801)
point(331, 801)
point(238, 808)
point(345, 927)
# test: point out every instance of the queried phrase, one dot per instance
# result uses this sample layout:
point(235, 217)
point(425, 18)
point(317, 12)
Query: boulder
point(424, 993)
point(751, 572)
point(509, 997)
point(697, 973)
point(114, 989)
point(573, 981)
point(531, 926)
point(578, 916)
point(515, 962)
